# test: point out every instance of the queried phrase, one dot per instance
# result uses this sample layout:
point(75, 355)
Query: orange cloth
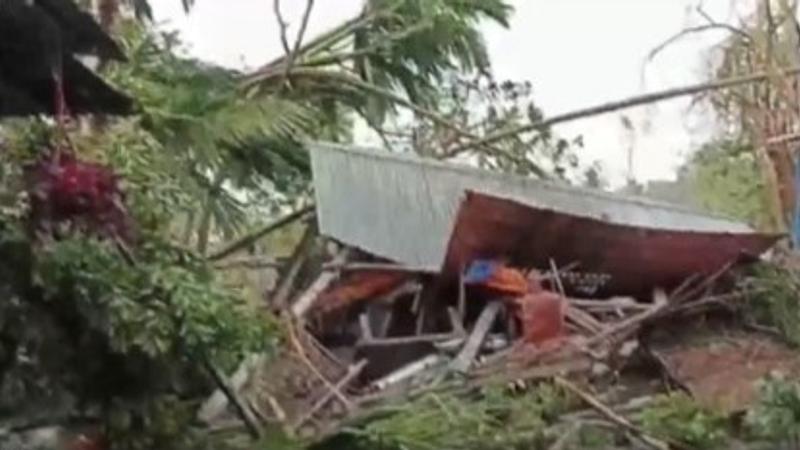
point(508, 281)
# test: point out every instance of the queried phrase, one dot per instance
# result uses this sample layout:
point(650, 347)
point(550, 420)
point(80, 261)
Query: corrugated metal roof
point(635, 258)
point(403, 207)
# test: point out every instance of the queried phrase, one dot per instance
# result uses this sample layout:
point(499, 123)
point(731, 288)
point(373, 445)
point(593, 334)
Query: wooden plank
point(388, 342)
point(584, 320)
point(660, 304)
point(610, 305)
point(408, 371)
point(366, 331)
point(456, 321)
point(466, 357)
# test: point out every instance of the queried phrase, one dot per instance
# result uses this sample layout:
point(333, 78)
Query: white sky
point(575, 52)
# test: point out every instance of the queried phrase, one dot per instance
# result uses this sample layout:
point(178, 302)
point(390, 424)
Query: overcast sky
point(575, 52)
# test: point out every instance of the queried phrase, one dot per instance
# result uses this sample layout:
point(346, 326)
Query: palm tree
point(240, 137)
point(394, 54)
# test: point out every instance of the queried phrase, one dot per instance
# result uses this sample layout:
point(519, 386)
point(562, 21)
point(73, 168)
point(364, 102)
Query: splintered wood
point(382, 332)
point(301, 386)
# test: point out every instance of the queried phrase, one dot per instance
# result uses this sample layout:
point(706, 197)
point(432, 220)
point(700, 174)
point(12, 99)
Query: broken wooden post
point(244, 413)
point(218, 401)
point(307, 299)
point(465, 358)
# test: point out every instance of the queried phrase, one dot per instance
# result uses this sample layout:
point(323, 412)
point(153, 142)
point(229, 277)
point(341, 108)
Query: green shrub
point(678, 418)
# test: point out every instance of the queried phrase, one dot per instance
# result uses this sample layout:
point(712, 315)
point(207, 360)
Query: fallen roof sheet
point(403, 207)
point(636, 258)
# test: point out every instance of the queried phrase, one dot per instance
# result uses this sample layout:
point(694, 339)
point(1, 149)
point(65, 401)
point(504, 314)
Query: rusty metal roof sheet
point(637, 258)
point(403, 208)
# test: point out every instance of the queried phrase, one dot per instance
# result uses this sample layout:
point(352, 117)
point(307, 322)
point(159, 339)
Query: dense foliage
point(725, 177)
point(124, 332)
point(678, 418)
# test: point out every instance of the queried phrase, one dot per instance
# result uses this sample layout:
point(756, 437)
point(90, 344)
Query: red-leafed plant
point(83, 195)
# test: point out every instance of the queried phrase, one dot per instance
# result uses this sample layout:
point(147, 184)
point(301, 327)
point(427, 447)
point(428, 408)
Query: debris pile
point(522, 292)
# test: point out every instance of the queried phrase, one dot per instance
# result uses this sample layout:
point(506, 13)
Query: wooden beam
point(404, 340)
point(307, 299)
point(466, 357)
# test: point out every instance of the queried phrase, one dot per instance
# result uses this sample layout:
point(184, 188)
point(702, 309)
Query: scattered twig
point(352, 372)
point(611, 415)
point(557, 278)
point(584, 320)
point(699, 305)
point(692, 30)
point(626, 325)
point(706, 283)
point(304, 358)
point(291, 57)
point(283, 27)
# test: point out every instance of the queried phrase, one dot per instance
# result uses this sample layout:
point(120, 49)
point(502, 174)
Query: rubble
point(522, 293)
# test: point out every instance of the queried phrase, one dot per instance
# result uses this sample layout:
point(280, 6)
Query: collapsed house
point(445, 271)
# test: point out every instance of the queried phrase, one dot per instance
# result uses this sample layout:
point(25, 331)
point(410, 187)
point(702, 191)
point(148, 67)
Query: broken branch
point(629, 102)
point(255, 236)
point(611, 415)
point(291, 57)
